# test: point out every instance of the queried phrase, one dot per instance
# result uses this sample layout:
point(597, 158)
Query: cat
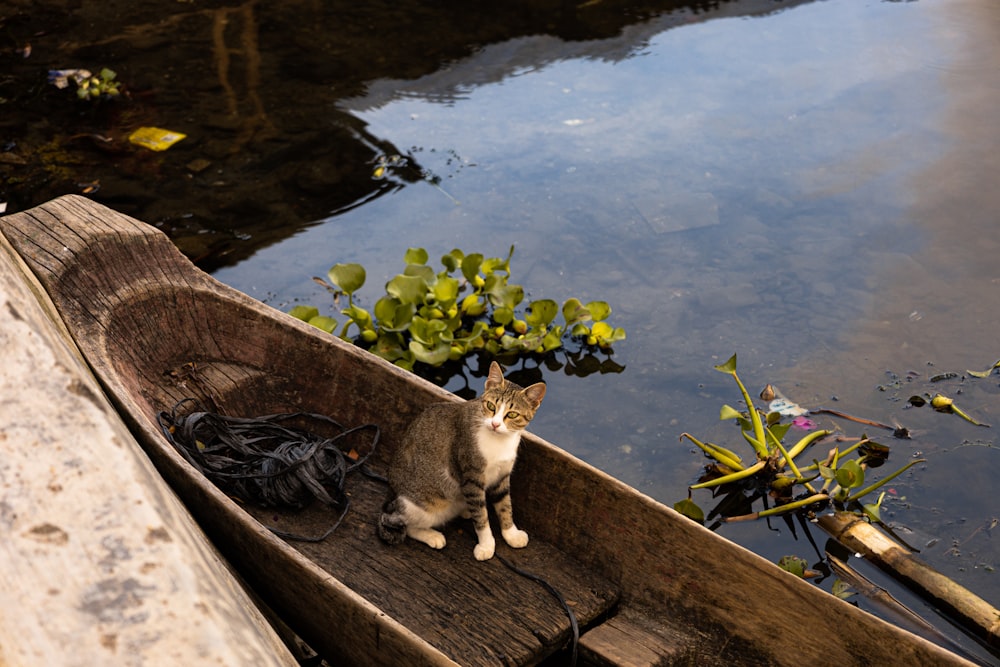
point(453, 459)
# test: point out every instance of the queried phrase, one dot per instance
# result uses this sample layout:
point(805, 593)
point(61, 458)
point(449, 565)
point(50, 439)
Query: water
point(808, 185)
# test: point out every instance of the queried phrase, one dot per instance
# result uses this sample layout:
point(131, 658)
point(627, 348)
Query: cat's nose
point(495, 425)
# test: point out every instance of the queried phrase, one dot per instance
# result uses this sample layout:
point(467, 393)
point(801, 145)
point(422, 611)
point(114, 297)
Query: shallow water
point(809, 185)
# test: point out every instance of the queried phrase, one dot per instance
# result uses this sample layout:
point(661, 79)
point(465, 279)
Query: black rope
point(262, 461)
point(574, 626)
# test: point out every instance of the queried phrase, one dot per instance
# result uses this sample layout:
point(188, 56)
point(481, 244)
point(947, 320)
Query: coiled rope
point(262, 461)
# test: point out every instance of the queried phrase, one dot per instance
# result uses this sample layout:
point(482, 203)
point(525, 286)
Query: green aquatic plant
point(944, 404)
point(469, 306)
point(89, 86)
point(776, 473)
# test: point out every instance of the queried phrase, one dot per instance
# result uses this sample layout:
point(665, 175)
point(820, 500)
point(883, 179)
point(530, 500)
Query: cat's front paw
point(484, 550)
point(515, 537)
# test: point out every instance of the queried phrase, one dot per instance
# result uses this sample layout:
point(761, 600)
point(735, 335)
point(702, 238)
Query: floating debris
point(155, 138)
point(60, 78)
point(786, 408)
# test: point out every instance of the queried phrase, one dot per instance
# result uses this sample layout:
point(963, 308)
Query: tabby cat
point(453, 459)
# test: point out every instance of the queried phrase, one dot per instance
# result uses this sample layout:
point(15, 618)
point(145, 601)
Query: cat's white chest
point(499, 449)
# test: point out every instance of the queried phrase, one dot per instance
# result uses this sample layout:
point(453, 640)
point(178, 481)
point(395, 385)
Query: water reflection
point(255, 87)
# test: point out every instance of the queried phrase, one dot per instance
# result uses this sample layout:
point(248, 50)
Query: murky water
point(809, 185)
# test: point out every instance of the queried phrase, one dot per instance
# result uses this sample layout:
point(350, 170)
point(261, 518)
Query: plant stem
point(734, 477)
point(760, 446)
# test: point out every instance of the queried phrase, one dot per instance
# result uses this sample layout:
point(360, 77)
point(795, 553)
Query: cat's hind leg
point(421, 521)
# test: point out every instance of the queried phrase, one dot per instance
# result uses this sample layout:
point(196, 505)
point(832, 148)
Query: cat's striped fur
point(455, 459)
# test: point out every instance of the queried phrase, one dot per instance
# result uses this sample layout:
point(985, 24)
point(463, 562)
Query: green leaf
point(477, 331)
point(688, 508)
point(446, 289)
point(392, 314)
point(599, 310)
point(496, 264)
point(502, 295)
point(473, 305)
point(347, 277)
point(389, 346)
point(429, 332)
point(470, 266)
point(503, 315)
point(728, 412)
point(779, 431)
point(606, 334)
point(580, 329)
point(602, 330)
point(842, 589)
point(304, 313)
point(873, 510)
point(327, 324)
point(543, 311)
point(552, 340)
point(420, 271)
point(433, 355)
point(453, 260)
point(793, 564)
point(982, 374)
point(850, 475)
point(415, 256)
point(573, 311)
point(728, 367)
point(508, 342)
point(359, 316)
point(408, 289)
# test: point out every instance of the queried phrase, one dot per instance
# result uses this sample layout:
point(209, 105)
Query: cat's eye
point(490, 407)
point(513, 415)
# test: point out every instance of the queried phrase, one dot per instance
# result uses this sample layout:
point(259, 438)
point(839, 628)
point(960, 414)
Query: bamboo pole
point(964, 606)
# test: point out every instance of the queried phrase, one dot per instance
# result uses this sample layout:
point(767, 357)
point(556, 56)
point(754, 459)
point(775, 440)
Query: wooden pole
point(964, 606)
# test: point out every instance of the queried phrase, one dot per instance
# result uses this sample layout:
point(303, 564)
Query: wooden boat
point(647, 586)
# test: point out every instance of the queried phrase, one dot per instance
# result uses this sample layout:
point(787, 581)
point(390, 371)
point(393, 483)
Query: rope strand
point(262, 461)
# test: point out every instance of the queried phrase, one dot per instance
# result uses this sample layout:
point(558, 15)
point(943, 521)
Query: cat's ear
point(535, 393)
point(495, 378)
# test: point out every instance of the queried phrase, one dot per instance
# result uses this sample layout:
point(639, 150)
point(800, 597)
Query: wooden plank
point(101, 563)
point(637, 637)
point(480, 613)
point(612, 644)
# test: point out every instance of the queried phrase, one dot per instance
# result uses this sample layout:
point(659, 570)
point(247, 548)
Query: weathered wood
point(967, 608)
point(623, 641)
point(101, 564)
point(155, 329)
